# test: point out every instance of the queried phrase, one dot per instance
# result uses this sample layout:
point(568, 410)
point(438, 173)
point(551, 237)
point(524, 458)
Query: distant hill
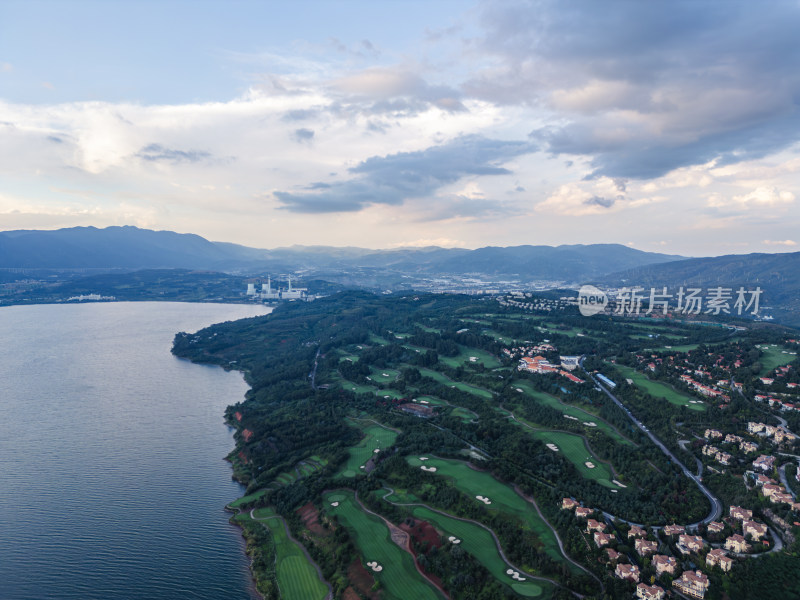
point(133, 248)
point(777, 274)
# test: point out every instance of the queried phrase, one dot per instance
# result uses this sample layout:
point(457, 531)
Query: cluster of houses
point(705, 390)
point(694, 583)
point(773, 490)
point(539, 364)
point(775, 433)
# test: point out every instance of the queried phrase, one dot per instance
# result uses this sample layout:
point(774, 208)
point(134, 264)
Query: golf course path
point(303, 548)
point(558, 538)
point(402, 539)
point(390, 491)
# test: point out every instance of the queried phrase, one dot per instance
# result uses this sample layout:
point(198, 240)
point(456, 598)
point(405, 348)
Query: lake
point(112, 478)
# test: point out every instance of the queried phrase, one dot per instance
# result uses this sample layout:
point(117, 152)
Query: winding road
point(716, 503)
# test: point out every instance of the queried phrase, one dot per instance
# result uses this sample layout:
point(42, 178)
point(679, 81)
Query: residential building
point(694, 543)
point(741, 514)
point(719, 557)
point(593, 525)
point(737, 543)
point(582, 512)
point(713, 434)
point(629, 572)
point(748, 446)
point(603, 539)
point(645, 547)
point(569, 504)
point(764, 462)
point(715, 527)
point(674, 529)
point(664, 564)
point(754, 530)
point(636, 531)
point(692, 583)
point(612, 555)
point(649, 592)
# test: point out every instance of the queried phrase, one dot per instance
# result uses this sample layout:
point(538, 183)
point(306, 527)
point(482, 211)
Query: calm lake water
point(112, 478)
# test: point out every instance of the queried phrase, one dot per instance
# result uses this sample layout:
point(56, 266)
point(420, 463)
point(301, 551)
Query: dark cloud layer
point(642, 88)
point(158, 153)
point(395, 178)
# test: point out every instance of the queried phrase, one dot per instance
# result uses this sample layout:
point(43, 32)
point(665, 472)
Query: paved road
point(716, 504)
point(782, 473)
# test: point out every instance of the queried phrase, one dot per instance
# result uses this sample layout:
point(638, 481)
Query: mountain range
point(133, 248)
point(130, 248)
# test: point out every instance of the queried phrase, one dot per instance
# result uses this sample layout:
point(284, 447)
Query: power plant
point(268, 294)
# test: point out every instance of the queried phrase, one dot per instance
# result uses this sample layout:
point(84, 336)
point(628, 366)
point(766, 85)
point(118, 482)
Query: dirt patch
point(310, 516)
point(361, 579)
point(422, 533)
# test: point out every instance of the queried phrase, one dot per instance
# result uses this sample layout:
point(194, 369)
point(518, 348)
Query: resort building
point(716, 527)
point(664, 564)
point(603, 539)
point(741, 514)
point(582, 512)
point(737, 543)
point(649, 592)
point(674, 529)
point(636, 531)
point(754, 530)
point(629, 572)
point(645, 547)
point(569, 504)
point(692, 583)
point(718, 557)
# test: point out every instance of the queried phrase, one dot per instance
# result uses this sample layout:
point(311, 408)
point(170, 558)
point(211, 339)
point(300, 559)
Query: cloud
point(303, 135)
point(761, 197)
point(158, 153)
point(780, 243)
point(425, 243)
point(643, 88)
point(395, 178)
point(394, 89)
point(594, 197)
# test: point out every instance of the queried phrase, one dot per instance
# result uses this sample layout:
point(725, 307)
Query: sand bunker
point(514, 575)
point(590, 424)
point(570, 417)
point(553, 447)
point(423, 458)
point(484, 499)
point(519, 390)
point(615, 482)
point(373, 564)
point(384, 374)
point(376, 450)
point(428, 469)
point(453, 539)
point(424, 402)
point(589, 465)
point(334, 504)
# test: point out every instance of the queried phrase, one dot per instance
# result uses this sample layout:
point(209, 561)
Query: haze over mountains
point(130, 249)
point(134, 248)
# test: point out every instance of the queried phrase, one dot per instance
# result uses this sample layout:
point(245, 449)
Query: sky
point(667, 126)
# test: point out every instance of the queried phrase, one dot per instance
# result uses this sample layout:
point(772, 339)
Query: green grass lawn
point(464, 387)
point(572, 411)
point(376, 339)
point(479, 543)
point(773, 356)
point(464, 414)
point(376, 438)
point(503, 499)
point(297, 577)
point(658, 389)
point(465, 358)
point(384, 375)
point(680, 348)
point(574, 449)
point(399, 578)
